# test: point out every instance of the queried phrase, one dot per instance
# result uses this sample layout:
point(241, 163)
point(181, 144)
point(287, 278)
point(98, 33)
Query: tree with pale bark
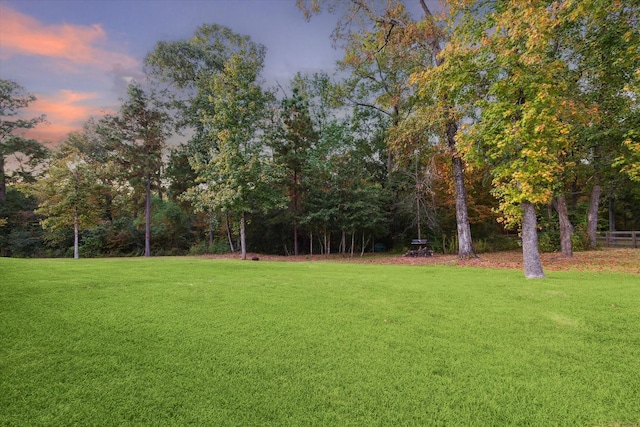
point(509, 49)
point(236, 176)
point(383, 59)
point(69, 191)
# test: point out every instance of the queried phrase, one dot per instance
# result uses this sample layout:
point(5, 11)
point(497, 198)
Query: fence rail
point(623, 239)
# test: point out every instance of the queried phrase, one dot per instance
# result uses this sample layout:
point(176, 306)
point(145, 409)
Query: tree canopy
point(497, 115)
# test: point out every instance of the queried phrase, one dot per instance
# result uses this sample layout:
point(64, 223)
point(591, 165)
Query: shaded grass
point(178, 341)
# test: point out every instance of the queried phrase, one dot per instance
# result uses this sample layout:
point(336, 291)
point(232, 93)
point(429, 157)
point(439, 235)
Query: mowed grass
point(194, 341)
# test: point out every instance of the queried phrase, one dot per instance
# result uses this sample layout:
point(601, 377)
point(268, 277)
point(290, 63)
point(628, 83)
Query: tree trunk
point(592, 216)
point(108, 209)
point(353, 241)
point(295, 212)
point(465, 247)
point(243, 243)
point(76, 239)
point(612, 213)
point(566, 228)
point(210, 232)
point(226, 219)
point(324, 245)
point(530, 253)
point(295, 237)
point(147, 219)
point(3, 181)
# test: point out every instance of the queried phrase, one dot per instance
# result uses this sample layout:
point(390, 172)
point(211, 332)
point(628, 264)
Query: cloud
point(66, 111)
point(71, 45)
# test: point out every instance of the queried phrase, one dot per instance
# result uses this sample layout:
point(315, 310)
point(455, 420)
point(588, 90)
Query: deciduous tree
point(511, 48)
point(69, 192)
point(236, 176)
point(382, 59)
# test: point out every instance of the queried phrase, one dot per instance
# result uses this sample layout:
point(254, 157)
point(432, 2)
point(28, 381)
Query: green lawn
point(192, 341)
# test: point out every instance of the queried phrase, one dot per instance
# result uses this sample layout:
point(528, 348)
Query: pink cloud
point(75, 44)
point(66, 111)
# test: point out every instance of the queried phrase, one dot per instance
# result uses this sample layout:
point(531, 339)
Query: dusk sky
point(77, 55)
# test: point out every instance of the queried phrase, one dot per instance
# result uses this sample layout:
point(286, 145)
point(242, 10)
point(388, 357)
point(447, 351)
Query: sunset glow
point(66, 111)
point(77, 57)
point(74, 44)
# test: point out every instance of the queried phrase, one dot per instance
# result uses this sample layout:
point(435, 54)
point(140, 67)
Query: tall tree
point(291, 150)
point(69, 191)
point(398, 47)
point(138, 135)
point(605, 50)
point(13, 99)
point(510, 47)
point(235, 174)
point(185, 67)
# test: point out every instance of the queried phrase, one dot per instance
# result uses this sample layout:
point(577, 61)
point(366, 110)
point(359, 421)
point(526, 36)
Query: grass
point(191, 341)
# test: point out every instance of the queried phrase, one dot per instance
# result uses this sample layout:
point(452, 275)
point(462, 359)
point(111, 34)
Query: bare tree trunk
point(76, 240)
point(147, 219)
point(325, 243)
point(243, 243)
point(3, 181)
point(311, 243)
point(592, 216)
point(210, 231)
point(295, 196)
point(566, 228)
point(530, 253)
point(231, 247)
point(612, 213)
point(353, 241)
point(465, 247)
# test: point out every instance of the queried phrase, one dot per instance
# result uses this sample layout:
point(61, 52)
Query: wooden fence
point(621, 239)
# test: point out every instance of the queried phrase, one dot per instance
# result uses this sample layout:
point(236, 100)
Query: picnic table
point(423, 248)
point(420, 242)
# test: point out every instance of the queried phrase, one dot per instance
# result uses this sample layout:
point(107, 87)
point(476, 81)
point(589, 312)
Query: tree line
point(499, 115)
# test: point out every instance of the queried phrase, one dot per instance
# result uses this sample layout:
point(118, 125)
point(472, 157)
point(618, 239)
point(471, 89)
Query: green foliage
point(235, 175)
point(124, 238)
point(521, 134)
point(223, 342)
point(546, 92)
point(549, 242)
point(137, 136)
point(70, 186)
point(21, 236)
point(202, 248)
point(170, 228)
point(27, 152)
point(93, 242)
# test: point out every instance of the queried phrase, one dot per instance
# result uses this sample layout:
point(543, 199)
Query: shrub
point(202, 248)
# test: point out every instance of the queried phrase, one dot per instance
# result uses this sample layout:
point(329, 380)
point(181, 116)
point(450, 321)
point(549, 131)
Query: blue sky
point(76, 55)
